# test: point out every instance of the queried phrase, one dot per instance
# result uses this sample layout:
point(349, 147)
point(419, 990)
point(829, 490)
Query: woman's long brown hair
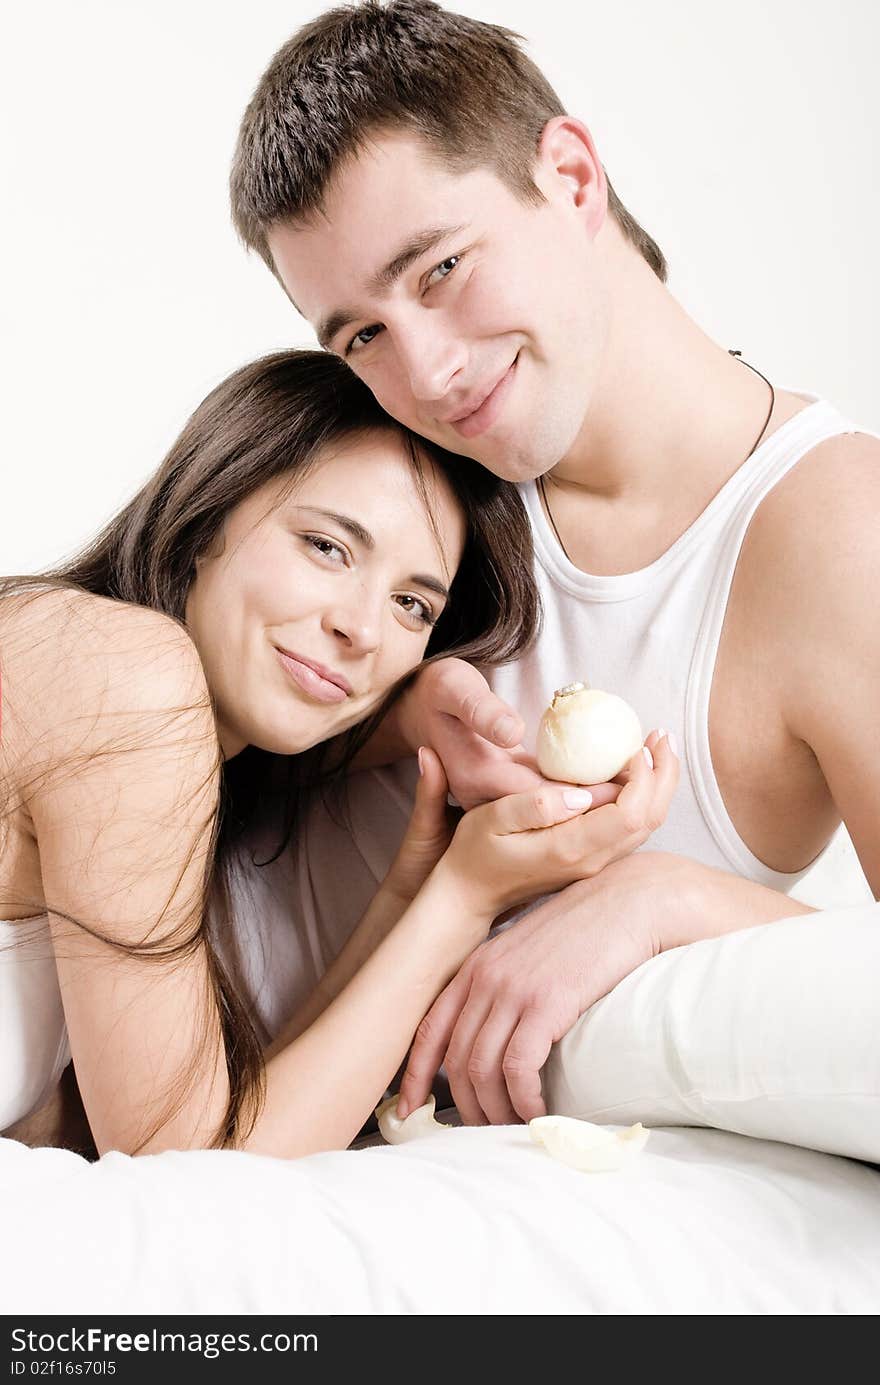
point(274, 418)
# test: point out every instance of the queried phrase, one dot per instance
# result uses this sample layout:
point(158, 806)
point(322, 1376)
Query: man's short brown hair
point(464, 86)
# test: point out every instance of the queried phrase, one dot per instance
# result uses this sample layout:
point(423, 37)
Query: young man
point(426, 203)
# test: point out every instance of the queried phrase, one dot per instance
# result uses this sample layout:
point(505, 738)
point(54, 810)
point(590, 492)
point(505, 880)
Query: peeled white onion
point(590, 1148)
point(419, 1122)
point(586, 736)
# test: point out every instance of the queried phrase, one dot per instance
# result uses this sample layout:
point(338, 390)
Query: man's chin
point(518, 468)
point(519, 456)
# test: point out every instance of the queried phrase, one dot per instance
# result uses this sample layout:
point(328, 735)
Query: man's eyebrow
point(417, 245)
point(357, 531)
point(327, 329)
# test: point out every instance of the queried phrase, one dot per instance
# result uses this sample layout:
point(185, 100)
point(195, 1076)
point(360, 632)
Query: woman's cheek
point(409, 651)
point(289, 585)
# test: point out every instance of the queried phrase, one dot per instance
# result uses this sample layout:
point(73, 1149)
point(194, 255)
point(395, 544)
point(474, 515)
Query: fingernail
point(672, 743)
point(577, 798)
point(648, 756)
point(402, 1109)
point(421, 759)
point(504, 728)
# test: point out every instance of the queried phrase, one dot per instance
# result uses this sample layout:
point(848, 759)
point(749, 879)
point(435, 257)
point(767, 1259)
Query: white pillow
point(772, 1032)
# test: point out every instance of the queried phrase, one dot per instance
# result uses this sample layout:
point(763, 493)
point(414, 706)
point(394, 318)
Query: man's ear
point(570, 170)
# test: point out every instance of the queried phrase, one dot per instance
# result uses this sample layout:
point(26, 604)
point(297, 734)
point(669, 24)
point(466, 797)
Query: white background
point(743, 136)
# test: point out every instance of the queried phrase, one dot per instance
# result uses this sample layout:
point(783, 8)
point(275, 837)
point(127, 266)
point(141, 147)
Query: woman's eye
point(362, 338)
point(416, 607)
point(326, 547)
point(442, 270)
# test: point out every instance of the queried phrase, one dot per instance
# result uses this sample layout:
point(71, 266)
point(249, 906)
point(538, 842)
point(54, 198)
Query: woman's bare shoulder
point(67, 657)
point(54, 610)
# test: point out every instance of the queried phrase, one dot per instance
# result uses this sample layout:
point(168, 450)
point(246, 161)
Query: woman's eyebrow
point(357, 531)
point(422, 579)
point(351, 526)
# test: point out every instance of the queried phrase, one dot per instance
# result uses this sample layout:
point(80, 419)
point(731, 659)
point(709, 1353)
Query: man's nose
point(433, 358)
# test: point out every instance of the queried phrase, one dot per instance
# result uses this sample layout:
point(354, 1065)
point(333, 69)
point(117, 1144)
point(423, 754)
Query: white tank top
point(652, 637)
point(33, 1036)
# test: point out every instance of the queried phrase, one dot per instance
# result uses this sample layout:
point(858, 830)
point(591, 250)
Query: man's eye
point(362, 338)
point(442, 270)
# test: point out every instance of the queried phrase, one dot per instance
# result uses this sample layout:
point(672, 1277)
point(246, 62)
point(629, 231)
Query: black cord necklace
point(738, 354)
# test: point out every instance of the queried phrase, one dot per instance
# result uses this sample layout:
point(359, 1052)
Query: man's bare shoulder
point(812, 563)
point(813, 547)
point(810, 570)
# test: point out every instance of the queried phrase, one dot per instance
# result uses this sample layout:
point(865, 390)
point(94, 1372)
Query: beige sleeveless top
point(34, 1050)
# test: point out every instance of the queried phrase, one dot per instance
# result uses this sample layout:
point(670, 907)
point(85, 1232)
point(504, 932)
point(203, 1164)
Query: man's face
point(476, 319)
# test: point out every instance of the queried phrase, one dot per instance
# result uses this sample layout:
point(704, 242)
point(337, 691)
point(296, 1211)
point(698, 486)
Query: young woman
point(238, 632)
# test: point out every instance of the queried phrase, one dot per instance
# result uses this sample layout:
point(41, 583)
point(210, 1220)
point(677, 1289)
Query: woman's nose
point(356, 623)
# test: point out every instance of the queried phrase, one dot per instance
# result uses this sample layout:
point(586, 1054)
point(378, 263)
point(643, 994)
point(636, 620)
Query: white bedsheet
point(472, 1221)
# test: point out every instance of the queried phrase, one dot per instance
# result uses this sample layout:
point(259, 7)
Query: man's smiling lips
point(470, 425)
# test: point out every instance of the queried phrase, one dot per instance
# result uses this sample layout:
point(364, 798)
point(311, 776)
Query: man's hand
point(451, 708)
point(521, 990)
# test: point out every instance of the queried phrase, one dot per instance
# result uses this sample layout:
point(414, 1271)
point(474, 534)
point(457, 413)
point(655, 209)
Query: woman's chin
point(282, 740)
point(279, 744)
point(280, 733)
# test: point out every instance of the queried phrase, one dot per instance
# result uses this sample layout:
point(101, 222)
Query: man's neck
point(673, 416)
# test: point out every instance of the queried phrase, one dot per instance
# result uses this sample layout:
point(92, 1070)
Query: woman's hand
point(429, 833)
point(450, 708)
point(532, 843)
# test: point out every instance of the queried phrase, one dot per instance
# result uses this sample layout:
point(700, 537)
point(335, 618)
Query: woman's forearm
point(385, 910)
point(323, 1085)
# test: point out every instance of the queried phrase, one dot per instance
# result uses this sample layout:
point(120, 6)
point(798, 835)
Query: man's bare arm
point(817, 558)
point(520, 992)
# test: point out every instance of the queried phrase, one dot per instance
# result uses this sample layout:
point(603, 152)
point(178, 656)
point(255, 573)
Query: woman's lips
point(482, 418)
point(311, 682)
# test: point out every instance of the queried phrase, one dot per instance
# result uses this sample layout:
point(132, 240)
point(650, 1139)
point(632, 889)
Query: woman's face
point(320, 600)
